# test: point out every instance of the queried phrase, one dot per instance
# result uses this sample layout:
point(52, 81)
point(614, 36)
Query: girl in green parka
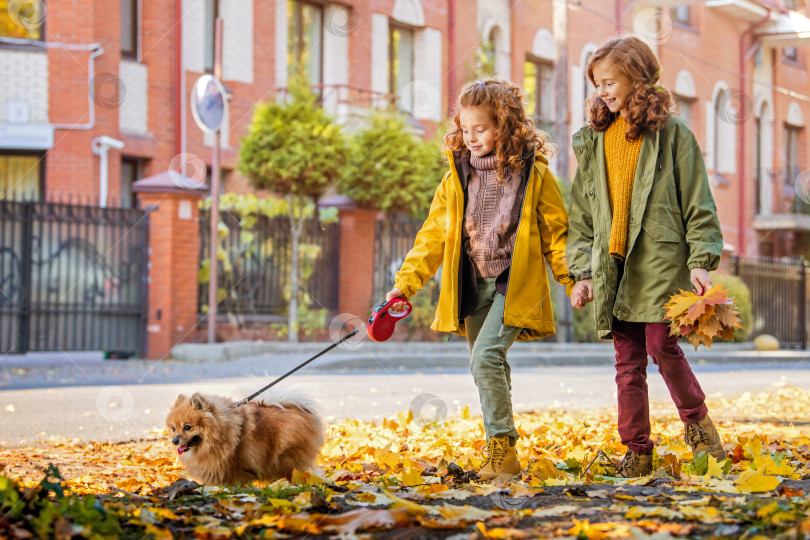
point(643, 225)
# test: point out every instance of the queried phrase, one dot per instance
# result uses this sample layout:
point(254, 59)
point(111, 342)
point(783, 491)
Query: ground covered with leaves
point(409, 477)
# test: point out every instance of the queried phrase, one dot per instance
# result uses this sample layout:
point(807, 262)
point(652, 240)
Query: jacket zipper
point(514, 247)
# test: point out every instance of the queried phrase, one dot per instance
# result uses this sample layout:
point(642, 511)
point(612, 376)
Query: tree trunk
point(295, 237)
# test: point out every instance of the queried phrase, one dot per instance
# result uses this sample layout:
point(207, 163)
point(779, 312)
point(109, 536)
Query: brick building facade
point(77, 71)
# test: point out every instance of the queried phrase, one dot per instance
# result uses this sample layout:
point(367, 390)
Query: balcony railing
point(338, 98)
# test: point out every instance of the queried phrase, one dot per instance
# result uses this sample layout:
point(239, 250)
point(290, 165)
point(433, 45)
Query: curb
point(219, 352)
point(520, 359)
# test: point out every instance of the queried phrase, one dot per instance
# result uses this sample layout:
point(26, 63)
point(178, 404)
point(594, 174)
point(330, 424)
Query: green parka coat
point(673, 225)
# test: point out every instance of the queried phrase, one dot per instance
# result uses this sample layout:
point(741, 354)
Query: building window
point(539, 92)
point(400, 63)
point(130, 23)
point(131, 172)
point(791, 53)
point(305, 41)
point(791, 153)
point(684, 108)
point(680, 15)
point(23, 20)
point(792, 168)
point(21, 176)
point(211, 14)
point(723, 157)
point(758, 180)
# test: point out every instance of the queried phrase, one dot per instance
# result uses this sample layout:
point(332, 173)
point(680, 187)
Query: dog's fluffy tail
point(289, 396)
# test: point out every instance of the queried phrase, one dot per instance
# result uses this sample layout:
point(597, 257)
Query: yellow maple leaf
point(411, 476)
point(465, 514)
point(698, 513)
point(386, 457)
point(767, 465)
point(412, 508)
point(715, 467)
point(678, 304)
point(652, 511)
point(753, 448)
point(753, 481)
point(597, 531)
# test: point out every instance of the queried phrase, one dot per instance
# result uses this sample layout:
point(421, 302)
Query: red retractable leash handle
point(381, 323)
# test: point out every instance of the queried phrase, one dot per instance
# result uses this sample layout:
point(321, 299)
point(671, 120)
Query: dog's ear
point(180, 399)
point(199, 402)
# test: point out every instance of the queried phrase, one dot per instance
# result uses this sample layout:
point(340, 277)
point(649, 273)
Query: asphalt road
point(117, 402)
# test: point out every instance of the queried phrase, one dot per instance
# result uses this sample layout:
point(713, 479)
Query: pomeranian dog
point(222, 444)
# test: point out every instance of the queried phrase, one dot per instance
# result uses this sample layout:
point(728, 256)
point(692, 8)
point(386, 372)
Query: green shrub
point(739, 292)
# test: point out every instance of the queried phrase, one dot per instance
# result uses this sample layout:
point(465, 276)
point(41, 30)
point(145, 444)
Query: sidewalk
point(406, 356)
point(369, 355)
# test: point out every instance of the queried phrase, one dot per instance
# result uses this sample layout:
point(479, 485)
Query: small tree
point(295, 150)
point(393, 170)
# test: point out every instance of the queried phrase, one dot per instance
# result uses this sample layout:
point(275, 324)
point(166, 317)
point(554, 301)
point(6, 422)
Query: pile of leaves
point(406, 478)
point(701, 319)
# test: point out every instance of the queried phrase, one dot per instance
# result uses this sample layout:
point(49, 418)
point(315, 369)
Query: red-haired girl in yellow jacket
point(497, 214)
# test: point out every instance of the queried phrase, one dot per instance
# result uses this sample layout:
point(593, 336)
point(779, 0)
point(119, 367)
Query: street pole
point(213, 281)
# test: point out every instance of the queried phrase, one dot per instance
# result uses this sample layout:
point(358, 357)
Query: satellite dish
point(208, 103)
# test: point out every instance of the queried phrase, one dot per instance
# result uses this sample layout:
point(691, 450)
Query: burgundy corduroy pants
point(633, 342)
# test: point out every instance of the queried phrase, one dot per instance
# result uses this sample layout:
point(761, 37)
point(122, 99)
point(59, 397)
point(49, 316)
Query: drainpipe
point(741, 154)
point(451, 52)
point(101, 145)
point(177, 79)
point(618, 15)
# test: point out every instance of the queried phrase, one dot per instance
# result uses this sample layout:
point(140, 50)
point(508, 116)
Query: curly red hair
point(649, 106)
point(514, 130)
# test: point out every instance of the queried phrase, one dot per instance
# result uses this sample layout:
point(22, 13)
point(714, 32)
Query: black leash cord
point(326, 350)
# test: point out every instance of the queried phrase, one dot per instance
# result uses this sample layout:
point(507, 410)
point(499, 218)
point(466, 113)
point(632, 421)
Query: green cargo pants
point(489, 367)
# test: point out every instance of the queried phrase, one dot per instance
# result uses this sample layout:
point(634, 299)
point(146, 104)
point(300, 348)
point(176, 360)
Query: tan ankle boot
point(703, 437)
point(499, 458)
point(634, 465)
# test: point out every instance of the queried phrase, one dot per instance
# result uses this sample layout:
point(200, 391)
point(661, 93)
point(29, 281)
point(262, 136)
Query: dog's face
point(186, 422)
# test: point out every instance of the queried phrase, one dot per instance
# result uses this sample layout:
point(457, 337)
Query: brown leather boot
point(634, 465)
point(703, 437)
point(499, 458)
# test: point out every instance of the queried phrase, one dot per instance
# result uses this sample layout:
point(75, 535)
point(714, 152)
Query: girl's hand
point(398, 307)
point(582, 293)
point(701, 280)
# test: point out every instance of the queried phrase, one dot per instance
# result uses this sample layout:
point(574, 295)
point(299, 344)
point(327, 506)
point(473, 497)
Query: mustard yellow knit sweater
point(621, 158)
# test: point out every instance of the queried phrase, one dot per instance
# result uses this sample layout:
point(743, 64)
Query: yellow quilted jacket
point(541, 238)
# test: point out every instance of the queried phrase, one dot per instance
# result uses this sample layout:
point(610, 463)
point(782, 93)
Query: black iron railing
point(72, 277)
point(780, 290)
point(255, 271)
point(393, 239)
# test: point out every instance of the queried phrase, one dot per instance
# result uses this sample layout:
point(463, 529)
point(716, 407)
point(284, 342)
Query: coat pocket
point(660, 232)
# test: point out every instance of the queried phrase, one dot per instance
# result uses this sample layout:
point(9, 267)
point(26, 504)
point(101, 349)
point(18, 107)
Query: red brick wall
point(709, 52)
point(356, 262)
point(174, 260)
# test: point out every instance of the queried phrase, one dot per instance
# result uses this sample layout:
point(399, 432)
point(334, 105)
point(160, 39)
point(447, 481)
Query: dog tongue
point(182, 448)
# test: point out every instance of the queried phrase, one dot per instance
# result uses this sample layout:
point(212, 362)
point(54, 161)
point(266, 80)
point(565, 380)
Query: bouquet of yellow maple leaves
point(701, 319)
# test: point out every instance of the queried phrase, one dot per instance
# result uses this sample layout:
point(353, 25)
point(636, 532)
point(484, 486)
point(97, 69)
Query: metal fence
point(72, 277)
point(780, 290)
point(255, 271)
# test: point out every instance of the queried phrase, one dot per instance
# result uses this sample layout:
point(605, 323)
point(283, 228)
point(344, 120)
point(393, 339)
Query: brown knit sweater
point(621, 158)
point(491, 218)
